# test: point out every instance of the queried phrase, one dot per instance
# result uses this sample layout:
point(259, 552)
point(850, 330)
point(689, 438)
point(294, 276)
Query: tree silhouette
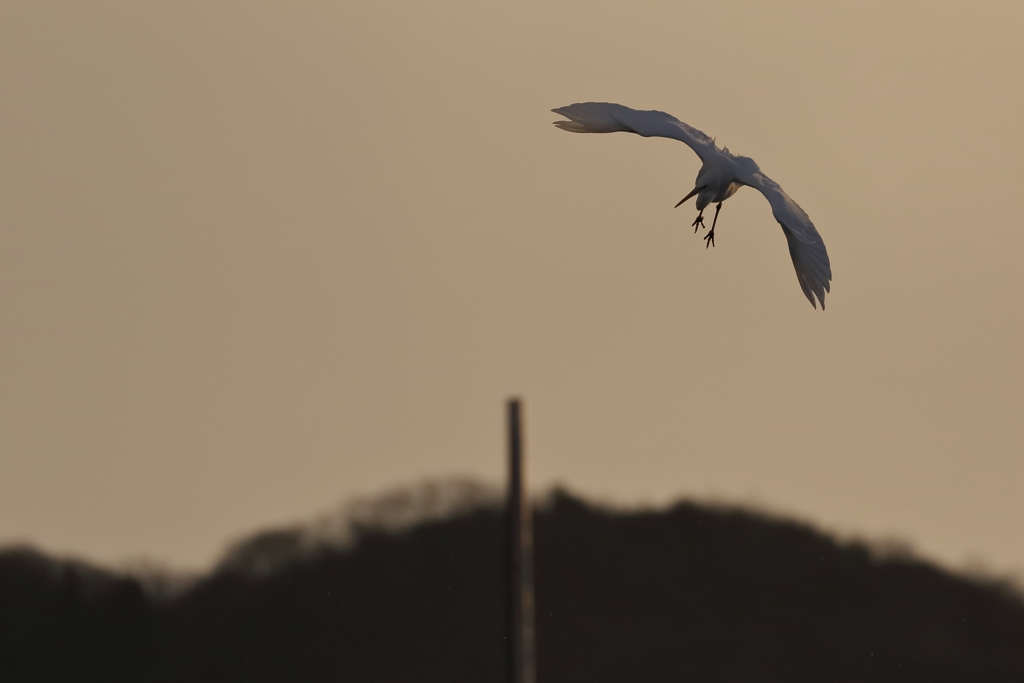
point(692, 593)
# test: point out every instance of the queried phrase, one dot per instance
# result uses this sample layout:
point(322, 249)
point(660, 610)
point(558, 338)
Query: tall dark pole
point(521, 638)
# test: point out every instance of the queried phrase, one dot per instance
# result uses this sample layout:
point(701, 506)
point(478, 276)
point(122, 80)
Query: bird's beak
point(692, 192)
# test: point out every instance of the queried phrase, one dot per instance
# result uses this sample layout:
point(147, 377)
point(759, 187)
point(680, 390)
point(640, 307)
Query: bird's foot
point(709, 239)
point(698, 223)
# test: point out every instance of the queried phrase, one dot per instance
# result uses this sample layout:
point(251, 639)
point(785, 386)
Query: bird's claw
point(698, 223)
point(709, 239)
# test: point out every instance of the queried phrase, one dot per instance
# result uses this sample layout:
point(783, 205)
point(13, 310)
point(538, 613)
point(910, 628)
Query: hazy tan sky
point(261, 257)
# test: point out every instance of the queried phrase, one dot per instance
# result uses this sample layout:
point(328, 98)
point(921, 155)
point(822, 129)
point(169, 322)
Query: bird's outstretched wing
point(813, 270)
point(605, 117)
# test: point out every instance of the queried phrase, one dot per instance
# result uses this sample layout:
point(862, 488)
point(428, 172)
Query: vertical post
point(521, 638)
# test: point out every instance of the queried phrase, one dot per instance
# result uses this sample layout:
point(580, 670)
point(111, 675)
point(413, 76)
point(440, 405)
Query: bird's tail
point(589, 117)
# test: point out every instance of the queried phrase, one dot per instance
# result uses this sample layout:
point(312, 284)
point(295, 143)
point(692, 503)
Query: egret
point(720, 175)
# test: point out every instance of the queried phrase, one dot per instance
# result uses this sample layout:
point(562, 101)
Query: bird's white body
point(720, 176)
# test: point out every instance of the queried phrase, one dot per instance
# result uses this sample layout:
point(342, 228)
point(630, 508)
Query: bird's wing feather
point(810, 259)
point(605, 117)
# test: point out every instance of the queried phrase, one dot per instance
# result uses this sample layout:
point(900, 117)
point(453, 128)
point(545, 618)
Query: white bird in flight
point(721, 174)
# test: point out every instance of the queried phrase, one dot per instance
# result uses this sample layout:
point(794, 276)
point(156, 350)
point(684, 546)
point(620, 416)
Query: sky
point(259, 258)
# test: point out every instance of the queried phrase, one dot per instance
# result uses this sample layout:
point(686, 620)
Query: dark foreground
point(689, 594)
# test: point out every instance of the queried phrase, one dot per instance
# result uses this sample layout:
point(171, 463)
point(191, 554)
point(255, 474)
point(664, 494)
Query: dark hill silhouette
point(692, 593)
point(66, 621)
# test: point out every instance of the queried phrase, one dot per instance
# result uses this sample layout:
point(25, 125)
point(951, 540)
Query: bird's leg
point(709, 238)
point(698, 222)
